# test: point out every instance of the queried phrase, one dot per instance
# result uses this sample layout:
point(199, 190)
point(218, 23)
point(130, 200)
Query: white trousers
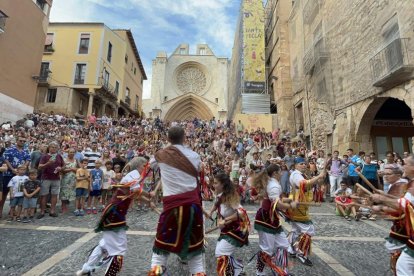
point(224, 248)
point(195, 264)
point(334, 182)
point(270, 242)
point(299, 228)
point(405, 265)
point(111, 244)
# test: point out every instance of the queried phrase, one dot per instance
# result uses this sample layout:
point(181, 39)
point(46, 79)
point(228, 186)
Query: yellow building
point(89, 68)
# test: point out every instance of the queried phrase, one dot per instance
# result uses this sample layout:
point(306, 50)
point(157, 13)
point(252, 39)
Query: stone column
point(91, 94)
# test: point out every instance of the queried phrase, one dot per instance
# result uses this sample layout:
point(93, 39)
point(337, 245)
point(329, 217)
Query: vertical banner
point(253, 46)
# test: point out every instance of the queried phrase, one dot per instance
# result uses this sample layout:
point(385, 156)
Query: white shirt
point(17, 185)
point(295, 178)
point(175, 181)
point(273, 189)
point(132, 176)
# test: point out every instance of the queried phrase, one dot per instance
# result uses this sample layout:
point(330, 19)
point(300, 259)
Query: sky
point(159, 25)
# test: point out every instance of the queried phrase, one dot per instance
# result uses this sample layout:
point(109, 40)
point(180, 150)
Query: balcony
point(106, 89)
point(43, 79)
point(315, 55)
point(79, 81)
point(391, 66)
point(128, 100)
point(3, 18)
point(48, 49)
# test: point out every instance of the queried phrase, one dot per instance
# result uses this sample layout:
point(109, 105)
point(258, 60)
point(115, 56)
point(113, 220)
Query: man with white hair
point(405, 204)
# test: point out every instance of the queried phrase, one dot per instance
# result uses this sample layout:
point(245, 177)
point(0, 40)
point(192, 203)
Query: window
point(80, 73)
point(43, 5)
point(216, 100)
point(202, 51)
point(106, 78)
point(182, 51)
point(3, 18)
point(135, 71)
point(116, 88)
point(44, 71)
point(136, 102)
point(126, 59)
point(49, 43)
point(51, 95)
point(84, 43)
point(109, 56)
point(127, 93)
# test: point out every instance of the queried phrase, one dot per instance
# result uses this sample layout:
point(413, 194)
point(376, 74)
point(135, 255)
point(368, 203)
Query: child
point(113, 245)
point(108, 176)
point(31, 192)
point(82, 187)
point(16, 186)
point(96, 179)
point(344, 202)
point(234, 224)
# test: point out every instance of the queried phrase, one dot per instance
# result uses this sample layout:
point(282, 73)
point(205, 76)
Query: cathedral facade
point(185, 86)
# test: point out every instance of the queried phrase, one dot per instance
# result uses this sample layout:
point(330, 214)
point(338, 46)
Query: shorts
point(81, 192)
point(50, 186)
point(95, 193)
point(16, 201)
point(29, 202)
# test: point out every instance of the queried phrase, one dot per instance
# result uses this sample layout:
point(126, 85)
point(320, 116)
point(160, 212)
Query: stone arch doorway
point(188, 108)
point(121, 112)
point(387, 125)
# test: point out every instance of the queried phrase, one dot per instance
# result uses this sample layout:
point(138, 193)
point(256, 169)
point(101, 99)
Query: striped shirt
point(92, 156)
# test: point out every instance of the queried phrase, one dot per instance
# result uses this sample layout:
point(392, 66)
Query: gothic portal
point(187, 85)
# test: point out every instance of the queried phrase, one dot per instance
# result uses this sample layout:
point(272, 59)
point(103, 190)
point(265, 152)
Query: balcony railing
point(106, 85)
point(48, 49)
point(43, 79)
point(79, 81)
point(316, 53)
point(391, 65)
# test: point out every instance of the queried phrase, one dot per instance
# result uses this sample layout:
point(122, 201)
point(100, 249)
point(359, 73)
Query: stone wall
point(353, 32)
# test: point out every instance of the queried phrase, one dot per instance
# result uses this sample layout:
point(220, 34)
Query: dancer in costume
point(302, 190)
point(113, 245)
point(272, 239)
point(404, 262)
point(180, 226)
point(396, 242)
point(234, 224)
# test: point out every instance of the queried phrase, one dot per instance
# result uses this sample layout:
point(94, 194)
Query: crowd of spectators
point(45, 158)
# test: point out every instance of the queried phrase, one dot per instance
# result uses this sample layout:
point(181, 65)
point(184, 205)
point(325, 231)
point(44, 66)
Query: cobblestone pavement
point(59, 246)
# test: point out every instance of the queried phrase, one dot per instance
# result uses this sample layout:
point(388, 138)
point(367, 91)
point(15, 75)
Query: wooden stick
point(373, 187)
point(211, 230)
point(367, 182)
point(313, 204)
point(363, 189)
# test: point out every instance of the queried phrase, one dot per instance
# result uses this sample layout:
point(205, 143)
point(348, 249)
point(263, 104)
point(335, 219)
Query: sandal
point(18, 219)
point(347, 218)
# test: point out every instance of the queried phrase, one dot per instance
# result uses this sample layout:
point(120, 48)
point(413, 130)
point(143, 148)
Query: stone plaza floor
point(59, 246)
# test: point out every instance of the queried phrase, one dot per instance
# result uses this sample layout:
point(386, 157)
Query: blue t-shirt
point(369, 171)
point(351, 167)
point(96, 175)
point(15, 158)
